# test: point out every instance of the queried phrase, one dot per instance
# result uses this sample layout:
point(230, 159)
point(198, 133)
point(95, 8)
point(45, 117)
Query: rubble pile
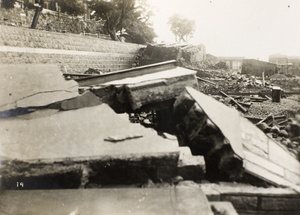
point(234, 83)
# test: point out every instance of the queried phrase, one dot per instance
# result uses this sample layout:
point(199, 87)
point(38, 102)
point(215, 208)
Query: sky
point(235, 28)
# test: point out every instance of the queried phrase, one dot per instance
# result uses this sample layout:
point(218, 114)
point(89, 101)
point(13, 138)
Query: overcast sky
point(249, 28)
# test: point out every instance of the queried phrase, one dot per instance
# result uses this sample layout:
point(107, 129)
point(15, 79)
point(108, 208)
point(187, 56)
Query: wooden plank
point(234, 101)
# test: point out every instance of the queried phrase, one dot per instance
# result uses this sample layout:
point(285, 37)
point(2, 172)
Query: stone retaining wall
point(74, 53)
point(248, 199)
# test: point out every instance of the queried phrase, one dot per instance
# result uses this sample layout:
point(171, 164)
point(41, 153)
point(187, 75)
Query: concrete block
point(190, 167)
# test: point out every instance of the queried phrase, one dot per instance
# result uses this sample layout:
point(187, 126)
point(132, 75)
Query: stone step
point(106, 201)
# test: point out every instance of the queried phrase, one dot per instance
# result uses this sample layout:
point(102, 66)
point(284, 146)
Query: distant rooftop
point(231, 58)
point(283, 56)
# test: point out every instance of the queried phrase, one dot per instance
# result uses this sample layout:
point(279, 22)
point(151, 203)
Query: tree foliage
point(128, 17)
point(182, 28)
point(71, 7)
point(7, 4)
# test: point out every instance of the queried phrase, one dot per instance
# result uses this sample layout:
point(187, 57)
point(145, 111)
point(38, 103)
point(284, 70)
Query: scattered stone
point(264, 127)
point(283, 133)
point(176, 180)
point(223, 208)
point(296, 139)
point(284, 142)
point(295, 129)
point(275, 130)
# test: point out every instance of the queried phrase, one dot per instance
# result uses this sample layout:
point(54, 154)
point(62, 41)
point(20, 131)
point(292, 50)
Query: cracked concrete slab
point(77, 133)
point(36, 85)
point(55, 151)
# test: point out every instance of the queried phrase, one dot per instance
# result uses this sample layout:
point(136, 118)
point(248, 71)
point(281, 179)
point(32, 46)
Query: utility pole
point(38, 11)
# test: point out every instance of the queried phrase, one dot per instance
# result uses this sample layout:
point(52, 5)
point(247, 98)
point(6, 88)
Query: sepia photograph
point(149, 107)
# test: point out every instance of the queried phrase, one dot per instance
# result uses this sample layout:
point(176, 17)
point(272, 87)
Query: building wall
point(234, 63)
point(286, 64)
point(190, 54)
point(256, 67)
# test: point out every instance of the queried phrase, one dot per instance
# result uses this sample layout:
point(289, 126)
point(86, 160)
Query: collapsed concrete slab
point(157, 87)
point(106, 201)
point(152, 85)
point(23, 86)
point(81, 147)
point(231, 144)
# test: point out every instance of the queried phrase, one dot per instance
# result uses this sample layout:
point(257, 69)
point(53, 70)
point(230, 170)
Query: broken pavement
point(77, 141)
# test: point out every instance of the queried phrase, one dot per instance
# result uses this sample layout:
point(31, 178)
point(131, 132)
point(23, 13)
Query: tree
point(122, 16)
point(71, 7)
point(182, 28)
point(7, 4)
